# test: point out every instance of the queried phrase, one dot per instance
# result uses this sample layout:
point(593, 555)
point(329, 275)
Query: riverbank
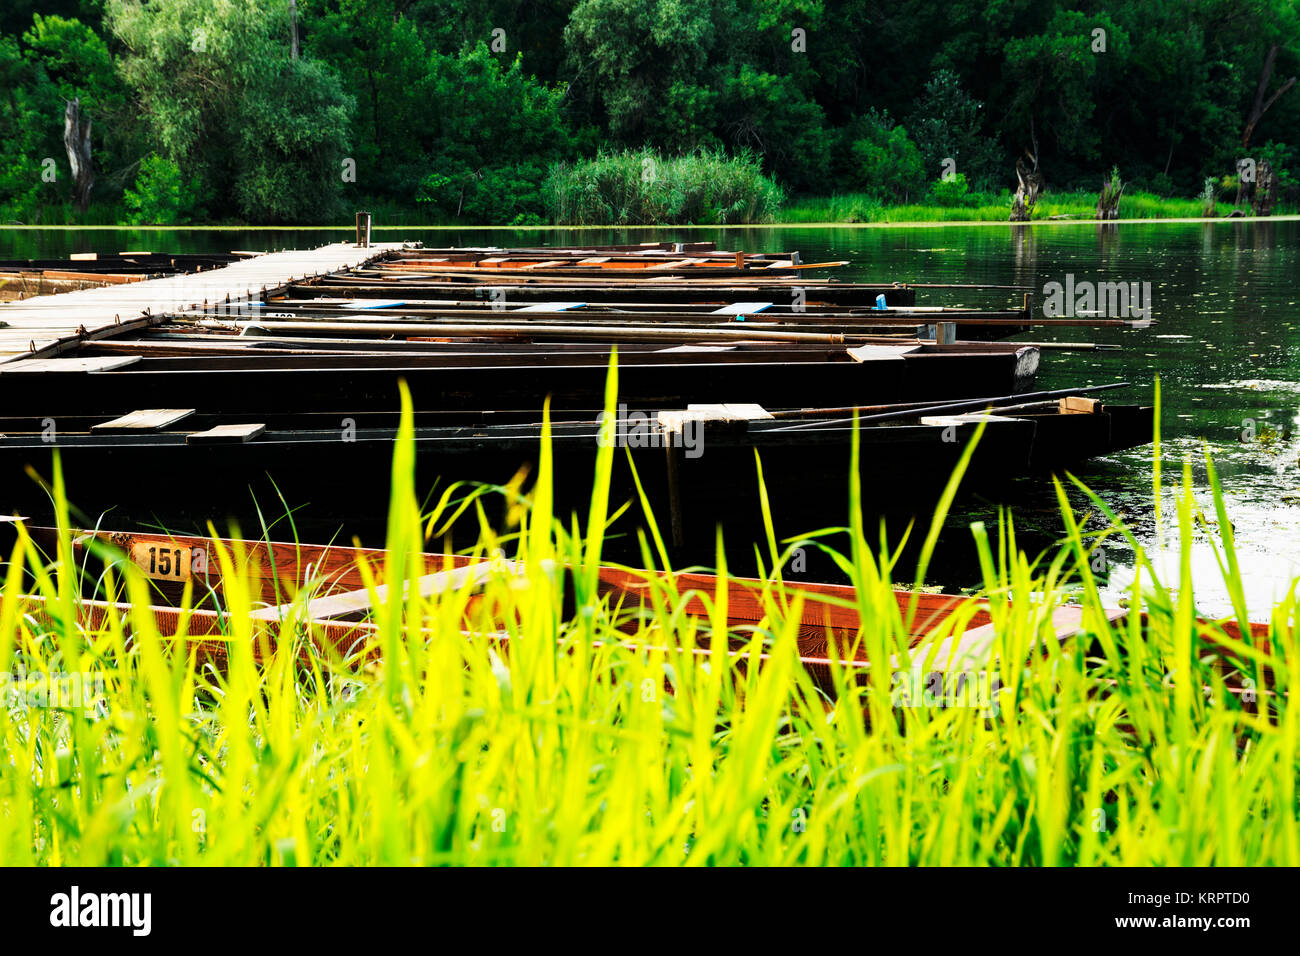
point(860, 208)
point(918, 223)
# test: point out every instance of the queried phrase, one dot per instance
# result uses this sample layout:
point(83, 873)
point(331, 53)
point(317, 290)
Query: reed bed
point(644, 187)
point(989, 207)
point(550, 736)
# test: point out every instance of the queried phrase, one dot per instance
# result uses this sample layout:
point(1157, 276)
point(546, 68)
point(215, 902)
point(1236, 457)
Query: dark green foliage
point(265, 134)
point(490, 141)
point(948, 126)
point(885, 162)
point(292, 146)
point(455, 109)
point(160, 196)
point(952, 192)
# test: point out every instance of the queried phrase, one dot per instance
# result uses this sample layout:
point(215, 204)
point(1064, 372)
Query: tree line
point(295, 111)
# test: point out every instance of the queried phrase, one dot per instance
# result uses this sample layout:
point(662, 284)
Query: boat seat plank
point(969, 418)
point(370, 303)
point(699, 348)
point(742, 308)
point(550, 307)
point(362, 600)
point(225, 434)
point(730, 412)
point(144, 420)
point(880, 353)
point(973, 648)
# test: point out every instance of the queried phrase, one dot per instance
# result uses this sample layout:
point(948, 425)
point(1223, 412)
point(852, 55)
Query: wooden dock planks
point(43, 326)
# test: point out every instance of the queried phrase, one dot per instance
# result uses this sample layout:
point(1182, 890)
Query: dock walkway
point(44, 326)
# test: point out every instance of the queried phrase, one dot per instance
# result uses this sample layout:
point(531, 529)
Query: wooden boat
point(696, 465)
point(322, 589)
point(377, 283)
point(136, 264)
point(272, 383)
point(337, 604)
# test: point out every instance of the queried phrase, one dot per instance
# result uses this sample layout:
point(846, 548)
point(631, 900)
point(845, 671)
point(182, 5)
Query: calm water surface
point(1226, 296)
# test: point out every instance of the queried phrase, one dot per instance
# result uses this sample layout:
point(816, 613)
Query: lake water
point(1226, 297)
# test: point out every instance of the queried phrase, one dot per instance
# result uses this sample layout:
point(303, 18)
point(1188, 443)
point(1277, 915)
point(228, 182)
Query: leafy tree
point(886, 163)
point(1051, 78)
point(160, 195)
point(78, 63)
point(383, 61)
point(492, 140)
point(639, 62)
point(27, 136)
point(947, 125)
point(223, 100)
point(951, 192)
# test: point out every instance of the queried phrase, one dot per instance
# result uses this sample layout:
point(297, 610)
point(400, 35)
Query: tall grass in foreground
point(540, 735)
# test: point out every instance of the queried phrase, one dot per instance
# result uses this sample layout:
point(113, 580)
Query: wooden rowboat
point(336, 608)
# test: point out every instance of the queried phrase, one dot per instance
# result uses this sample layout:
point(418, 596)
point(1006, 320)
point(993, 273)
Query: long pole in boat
point(927, 408)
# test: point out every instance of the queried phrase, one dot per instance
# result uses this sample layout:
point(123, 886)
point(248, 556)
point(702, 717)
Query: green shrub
point(160, 196)
point(952, 192)
point(887, 162)
point(642, 187)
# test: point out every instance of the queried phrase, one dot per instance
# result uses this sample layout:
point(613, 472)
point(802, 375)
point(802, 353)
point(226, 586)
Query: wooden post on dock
point(363, 230)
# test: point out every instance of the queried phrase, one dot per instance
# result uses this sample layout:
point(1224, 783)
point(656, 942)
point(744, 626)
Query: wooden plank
point(105, 363)
point(144, 420)
point(361, 601)
point(368, 303)
point(970, 418)
point(225, 434)
point(1078, 405)
point(551, 307)
point(742, 308)
point(699, 348)
point(53, 323)
point(880, 353)
point(973, 648)
point(731, 412)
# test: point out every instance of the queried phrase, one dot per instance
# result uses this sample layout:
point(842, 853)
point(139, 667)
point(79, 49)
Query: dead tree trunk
point(1030, 184)
point(1265, 183)
point(76, 140)
point(1108, 198)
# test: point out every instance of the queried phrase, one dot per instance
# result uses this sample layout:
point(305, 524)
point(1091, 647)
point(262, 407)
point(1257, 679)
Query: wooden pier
point(179, 399)
point(45, 326)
